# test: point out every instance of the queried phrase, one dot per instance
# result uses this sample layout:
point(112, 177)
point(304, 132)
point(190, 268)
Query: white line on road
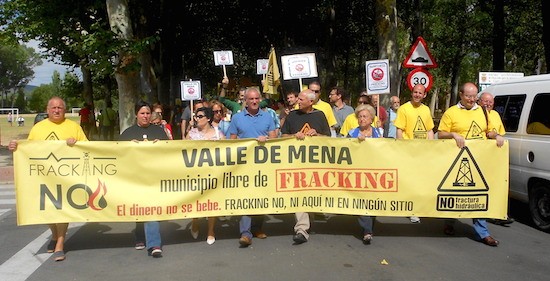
point(21, 265)
point(7, 201)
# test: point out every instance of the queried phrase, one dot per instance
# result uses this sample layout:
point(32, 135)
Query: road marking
point(7, 201)
point(21, 265)
point(3, 211)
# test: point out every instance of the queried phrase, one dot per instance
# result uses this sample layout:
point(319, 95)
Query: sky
point(43, 73)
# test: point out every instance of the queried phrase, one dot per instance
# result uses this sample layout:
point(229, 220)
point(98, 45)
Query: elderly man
point(487, 101)
point(56, 127)
point(252, 122)
point(467, 121)
point(306, 121)
point(390, 130)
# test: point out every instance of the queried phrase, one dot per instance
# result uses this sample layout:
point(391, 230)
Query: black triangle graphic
point(464, 182)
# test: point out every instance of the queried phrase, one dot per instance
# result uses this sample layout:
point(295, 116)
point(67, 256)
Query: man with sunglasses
point(321, 105)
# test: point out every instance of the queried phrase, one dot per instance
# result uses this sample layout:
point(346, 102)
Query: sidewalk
point(6, 166)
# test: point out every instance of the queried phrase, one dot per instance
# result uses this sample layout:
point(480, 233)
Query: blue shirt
point(246, 125)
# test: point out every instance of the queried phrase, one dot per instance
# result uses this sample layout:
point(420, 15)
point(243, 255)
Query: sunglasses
point(317, 91)
point(217, 111)
point(200, 116)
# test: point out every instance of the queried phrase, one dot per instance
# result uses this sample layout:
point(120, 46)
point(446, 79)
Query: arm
point(399, 134)
point(494, 135)
point(449, 135)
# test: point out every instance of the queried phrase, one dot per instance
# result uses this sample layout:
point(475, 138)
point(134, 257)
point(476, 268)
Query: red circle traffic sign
point(420, 76)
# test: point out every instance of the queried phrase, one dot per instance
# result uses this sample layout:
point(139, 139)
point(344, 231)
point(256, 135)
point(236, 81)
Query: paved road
point(104, 251)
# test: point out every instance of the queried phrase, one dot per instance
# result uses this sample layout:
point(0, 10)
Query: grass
point(8, 133)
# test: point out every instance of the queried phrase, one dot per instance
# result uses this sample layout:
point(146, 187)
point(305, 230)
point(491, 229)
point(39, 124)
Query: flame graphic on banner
point(97, 200)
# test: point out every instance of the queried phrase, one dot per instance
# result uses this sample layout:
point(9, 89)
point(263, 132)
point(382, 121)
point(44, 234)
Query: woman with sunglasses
point(219, 119)
point(203, 130)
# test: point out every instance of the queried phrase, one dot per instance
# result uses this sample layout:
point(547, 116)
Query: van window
point(539, 119)
point(509, 108)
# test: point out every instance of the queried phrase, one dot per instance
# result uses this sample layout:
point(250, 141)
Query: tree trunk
point(128, 81)
point(386, 27)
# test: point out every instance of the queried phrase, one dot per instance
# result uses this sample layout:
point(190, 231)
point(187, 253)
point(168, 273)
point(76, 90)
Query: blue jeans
point(152, 234)
point(480, 227)
point(249, 224)
point(366, 223)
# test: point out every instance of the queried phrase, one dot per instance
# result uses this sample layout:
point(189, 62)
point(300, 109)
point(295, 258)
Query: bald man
point(465, 121)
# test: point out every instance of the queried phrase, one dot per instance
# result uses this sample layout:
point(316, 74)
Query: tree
point(16, 64)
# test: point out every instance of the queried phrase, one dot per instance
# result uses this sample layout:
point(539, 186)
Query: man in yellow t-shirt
point(466, 121)
point(56, 127)
point(322, 105)
point(414, 120)
point(487, 101)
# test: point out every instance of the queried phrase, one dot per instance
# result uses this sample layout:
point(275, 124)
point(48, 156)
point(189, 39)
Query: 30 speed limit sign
point(420, 76)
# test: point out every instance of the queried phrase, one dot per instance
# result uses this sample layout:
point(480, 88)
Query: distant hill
point(29, 88)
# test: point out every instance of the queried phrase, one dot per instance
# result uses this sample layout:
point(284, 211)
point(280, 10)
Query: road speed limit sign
point(420, 76)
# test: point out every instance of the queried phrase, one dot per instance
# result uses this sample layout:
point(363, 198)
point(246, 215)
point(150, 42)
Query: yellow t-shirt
point(496, 122)
point(351, 122)
point(414, 121)
point(471, 124)
point(48, 130)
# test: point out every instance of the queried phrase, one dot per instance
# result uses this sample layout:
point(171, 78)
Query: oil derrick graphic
point(419, 130)
point(469, 177)
point(464, 174)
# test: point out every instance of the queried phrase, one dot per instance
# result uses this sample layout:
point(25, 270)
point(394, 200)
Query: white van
point(524, 106)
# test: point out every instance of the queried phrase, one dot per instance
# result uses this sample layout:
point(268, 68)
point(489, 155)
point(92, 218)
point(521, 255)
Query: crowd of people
point(304, 114)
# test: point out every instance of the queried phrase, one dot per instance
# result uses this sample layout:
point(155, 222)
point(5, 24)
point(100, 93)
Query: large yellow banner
point(128, 181)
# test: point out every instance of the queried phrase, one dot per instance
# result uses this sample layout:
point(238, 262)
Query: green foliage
point(16, 64)
point(39, 98)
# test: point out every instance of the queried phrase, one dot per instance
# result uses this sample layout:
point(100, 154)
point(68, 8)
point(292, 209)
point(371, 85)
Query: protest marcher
point(341, 110)
point(204, 130)
point(466, 121)
point(322, 105)
point(306, 121)
point(252, 122)
point(220, 119)
point(487, 101)
point(291, 99)
point(351, 120)
point(389, 130)
point(414, 121)
point(365, 114)
point(148, 233)
point(381, 111)
point(63, 129)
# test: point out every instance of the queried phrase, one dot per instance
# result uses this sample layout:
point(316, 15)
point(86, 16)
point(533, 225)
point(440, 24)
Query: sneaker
point(156, 252)
point(367, 239)
point(140, 246)
point(414, 219)
point(299, 238)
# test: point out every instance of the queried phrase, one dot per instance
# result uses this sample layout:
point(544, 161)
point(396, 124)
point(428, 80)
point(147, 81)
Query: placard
point(190, 90)
point(299, 66)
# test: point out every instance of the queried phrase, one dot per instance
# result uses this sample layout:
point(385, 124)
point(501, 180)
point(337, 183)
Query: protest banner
point(164, 180)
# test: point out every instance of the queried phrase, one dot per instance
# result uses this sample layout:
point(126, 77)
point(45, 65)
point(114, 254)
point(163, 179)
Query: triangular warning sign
point(464, 175)
point(52, 136)
point(305, 128)
point(475, 132)
point(419, 56)
point(419, 131)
